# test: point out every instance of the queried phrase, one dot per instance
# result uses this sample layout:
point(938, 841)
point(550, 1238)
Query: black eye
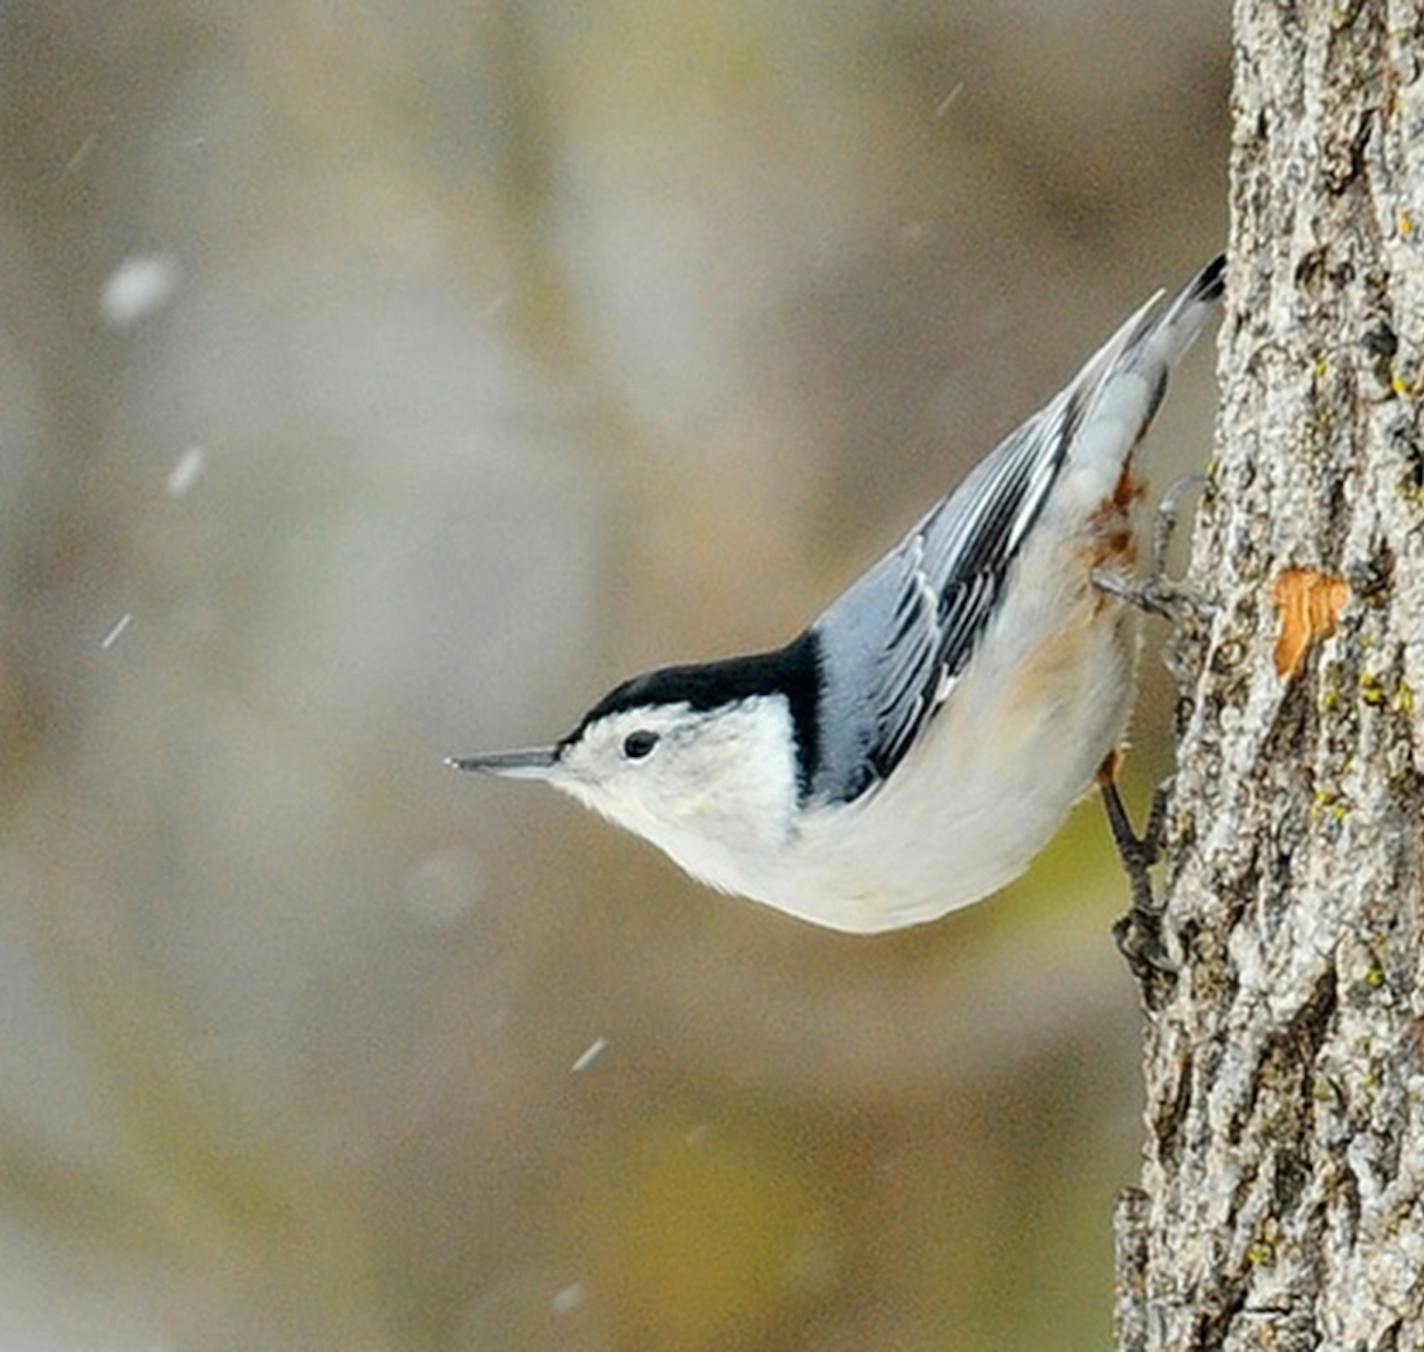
point(636, 745)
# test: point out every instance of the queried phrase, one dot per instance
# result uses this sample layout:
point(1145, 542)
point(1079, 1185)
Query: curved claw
point(1139, 939)
point(1169, 508)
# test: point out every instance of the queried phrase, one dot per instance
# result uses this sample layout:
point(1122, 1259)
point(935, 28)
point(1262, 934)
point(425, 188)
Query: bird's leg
point(1139, 933)
point(1156, 593)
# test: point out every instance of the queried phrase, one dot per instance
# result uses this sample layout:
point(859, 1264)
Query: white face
point(715, 789)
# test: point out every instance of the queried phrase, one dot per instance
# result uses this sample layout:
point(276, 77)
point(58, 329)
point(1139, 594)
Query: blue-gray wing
point(893, 645)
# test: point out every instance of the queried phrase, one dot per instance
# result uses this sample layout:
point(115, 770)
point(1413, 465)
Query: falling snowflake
point(138, 287)
point(590, 1054)
point(185, 473)
point(114, 634)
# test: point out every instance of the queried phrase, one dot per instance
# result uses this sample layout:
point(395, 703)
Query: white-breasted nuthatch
point(922, 740)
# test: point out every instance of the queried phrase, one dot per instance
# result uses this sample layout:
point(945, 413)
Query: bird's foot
point(1138, 934)
point(1157, 594)
point(1173, 601)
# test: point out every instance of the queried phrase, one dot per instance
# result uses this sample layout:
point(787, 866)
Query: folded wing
point(894, 644)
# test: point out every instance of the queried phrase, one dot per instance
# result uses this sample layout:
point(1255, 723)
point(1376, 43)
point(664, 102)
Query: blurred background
point(384, 380)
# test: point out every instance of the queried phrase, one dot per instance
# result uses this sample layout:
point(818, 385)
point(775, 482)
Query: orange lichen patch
point(1309, 604)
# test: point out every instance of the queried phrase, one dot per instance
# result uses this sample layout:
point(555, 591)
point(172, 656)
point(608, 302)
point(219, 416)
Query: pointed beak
point(536, 763)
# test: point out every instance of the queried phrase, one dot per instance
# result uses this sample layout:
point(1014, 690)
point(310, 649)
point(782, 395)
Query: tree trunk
point(1282, 1195)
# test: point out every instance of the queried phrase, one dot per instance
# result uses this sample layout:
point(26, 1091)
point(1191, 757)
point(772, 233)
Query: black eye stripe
point(638, 744)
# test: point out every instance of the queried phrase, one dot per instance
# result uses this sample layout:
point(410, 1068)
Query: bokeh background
point(383, 380)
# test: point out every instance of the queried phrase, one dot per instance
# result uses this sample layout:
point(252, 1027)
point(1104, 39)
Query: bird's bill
point(534, 763)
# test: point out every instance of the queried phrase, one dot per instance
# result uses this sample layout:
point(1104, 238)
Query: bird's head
point(704, 761)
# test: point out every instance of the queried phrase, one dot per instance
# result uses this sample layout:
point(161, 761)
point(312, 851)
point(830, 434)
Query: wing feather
point(896, 642)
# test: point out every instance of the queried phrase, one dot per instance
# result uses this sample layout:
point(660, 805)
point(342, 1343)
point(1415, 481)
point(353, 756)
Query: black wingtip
point(1210, 282)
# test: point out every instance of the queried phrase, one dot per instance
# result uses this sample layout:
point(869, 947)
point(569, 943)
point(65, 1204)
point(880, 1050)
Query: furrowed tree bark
point(1282, 1195)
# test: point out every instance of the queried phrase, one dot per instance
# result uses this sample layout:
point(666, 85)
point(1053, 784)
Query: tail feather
point(1128, 382)
point(1168, 334)
point(1144, 348)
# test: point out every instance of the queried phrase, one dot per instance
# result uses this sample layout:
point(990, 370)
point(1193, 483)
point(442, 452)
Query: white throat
point(719, 795)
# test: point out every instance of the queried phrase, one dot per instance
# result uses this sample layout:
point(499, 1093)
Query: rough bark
point(1282, 1196)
